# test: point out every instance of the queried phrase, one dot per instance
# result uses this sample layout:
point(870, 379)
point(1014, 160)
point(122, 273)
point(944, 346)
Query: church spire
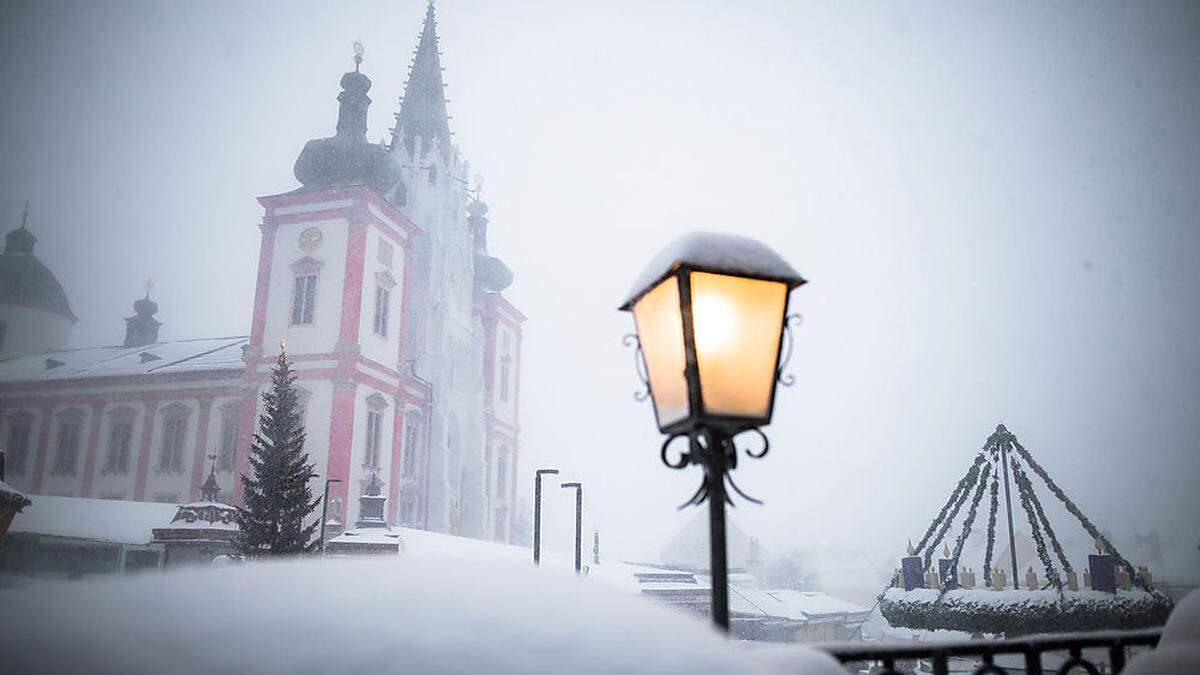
point(423, 108)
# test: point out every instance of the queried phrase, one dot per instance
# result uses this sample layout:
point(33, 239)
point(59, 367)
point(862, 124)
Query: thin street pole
point(714, 474)
point(578, 524)
point(325, 509)
point(537, 514)
point(1012, 540)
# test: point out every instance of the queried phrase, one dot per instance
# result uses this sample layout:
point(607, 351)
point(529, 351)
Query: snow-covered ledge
point(408, 614)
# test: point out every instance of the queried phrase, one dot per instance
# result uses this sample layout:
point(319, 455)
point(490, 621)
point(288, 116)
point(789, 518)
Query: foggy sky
point(996, 206)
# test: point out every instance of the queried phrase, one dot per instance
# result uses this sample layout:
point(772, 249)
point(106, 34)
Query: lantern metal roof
point(718, 253)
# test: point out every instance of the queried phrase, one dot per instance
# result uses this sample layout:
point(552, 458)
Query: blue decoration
point(914, 572)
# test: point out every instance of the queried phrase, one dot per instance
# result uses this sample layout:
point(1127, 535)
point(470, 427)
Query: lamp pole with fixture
point(325, 509)
point(537, 513)
point(713, 335)
point(578, 523)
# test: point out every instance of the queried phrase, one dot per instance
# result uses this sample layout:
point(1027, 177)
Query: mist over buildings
point(996, 208)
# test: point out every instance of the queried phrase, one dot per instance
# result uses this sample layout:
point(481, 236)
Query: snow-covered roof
point(10, 498)
point(689, 547)
point(812, 604)
point(714, 252)
point(106, 520)
point(180, 356)
point(409, 614)
point(376, 536)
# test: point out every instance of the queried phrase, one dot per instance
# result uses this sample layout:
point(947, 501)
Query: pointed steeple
point(423, 108)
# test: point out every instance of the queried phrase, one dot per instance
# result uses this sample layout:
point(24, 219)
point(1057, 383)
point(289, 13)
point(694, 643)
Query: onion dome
point(491, 274)
point(141, 329)
point(24, 280)
point(347, 158)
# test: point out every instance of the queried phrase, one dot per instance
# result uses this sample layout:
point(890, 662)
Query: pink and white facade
point(375, 275)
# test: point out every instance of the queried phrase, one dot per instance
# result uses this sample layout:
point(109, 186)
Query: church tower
point(376, 272)
point(452, 342)
point(332, 264)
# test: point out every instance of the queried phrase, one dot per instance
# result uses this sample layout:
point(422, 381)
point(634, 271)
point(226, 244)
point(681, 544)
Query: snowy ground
point(412, 614)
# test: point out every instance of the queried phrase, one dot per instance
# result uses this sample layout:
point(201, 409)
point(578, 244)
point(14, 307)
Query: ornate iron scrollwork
point(639, 365)
point(789, 322)
point(716, 451)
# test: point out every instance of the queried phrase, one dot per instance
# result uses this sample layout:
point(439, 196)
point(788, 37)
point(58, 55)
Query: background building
point(376, 275)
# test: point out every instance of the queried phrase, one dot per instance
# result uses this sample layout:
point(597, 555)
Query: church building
point(376, 275)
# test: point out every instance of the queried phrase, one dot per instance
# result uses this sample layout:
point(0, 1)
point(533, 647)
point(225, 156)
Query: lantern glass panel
point(738, 323)
point(660, 330)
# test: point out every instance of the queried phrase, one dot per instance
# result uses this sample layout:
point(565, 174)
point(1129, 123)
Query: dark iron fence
point(897, 658)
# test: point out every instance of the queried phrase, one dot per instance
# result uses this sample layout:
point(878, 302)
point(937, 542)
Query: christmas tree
point(278, 498)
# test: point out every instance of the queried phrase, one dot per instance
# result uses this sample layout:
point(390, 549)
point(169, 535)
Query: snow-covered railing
point(1026, 653)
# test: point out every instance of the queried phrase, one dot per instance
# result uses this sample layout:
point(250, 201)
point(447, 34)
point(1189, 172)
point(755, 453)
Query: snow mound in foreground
point(406, 615)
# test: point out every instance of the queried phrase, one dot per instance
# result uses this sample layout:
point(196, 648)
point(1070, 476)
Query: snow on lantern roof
point(714, 252)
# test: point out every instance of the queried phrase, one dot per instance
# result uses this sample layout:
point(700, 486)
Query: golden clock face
point(310, 239)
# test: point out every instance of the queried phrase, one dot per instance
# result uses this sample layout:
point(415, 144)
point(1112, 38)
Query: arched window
point(120, 440)
point(70, 433)
point(502, 472)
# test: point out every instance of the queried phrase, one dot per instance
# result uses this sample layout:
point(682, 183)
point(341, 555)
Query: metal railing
point(885, 659)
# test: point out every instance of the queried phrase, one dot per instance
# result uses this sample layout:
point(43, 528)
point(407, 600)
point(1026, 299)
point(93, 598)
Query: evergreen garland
point(962, 485)
point(1024, 483)
point(966, 528)
point(986, 611)
point(991, 531)
point(964, 490)
point(1034, 529)
point(277, 495)
point(1083, 520)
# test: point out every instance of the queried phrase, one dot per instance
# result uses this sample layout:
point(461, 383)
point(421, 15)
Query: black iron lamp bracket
point(717, 452)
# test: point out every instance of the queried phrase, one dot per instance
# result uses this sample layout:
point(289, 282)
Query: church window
point(20, 426)
point(502, 472)
point(382, 299)
point(385, 252)
point(374, 438)
point(433, 174)
point(120, 437)
point(412, 436)
point(174, 432)
point(229, 434)
point(304, 297)
point(67, 451)
point(504, 376)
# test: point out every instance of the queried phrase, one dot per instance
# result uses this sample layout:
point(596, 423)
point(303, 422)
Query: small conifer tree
point(277, 495)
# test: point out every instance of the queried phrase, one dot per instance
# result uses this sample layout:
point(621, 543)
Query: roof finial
point(282, 345)
point(149, 286)
point(25, 215)
point(210, 490)
point(358, 53)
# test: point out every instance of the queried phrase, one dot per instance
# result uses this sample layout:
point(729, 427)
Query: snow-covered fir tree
point(278, 497)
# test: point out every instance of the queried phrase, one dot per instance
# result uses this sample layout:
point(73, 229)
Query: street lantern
point(711, 317)
point(710, 314)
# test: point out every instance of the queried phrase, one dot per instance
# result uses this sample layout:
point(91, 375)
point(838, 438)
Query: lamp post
point(711, 317)
point(325, 509)
point(537, 513)
point(578, 522)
